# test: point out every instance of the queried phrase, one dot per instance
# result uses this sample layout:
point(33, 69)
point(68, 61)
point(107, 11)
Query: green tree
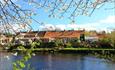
point(112, 37)
point(68, 45)
point(105, 43)
point(27, 54)
point(59, 43)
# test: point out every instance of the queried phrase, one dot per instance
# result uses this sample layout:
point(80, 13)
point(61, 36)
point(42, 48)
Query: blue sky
point(101, 19)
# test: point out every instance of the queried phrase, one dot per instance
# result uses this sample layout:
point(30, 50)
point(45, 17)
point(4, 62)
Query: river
point(58, 62)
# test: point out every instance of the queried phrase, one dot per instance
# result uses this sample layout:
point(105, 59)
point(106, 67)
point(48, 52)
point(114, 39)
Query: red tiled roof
point(60, 34)
point(55, 34)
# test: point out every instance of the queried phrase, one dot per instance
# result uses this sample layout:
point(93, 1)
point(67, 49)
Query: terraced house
point(65, 36)
point(47, 36)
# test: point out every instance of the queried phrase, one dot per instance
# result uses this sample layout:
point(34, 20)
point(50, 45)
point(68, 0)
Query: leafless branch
point(12, 14)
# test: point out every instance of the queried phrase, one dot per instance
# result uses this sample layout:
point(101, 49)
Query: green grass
point(72, 49)
point(87, 49)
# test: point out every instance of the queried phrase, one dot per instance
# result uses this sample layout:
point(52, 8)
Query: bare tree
point(11, 13)
point(13, 17)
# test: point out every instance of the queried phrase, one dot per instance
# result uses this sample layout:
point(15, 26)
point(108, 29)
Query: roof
point(54, 34)
point(41, 33)
point(60, 34)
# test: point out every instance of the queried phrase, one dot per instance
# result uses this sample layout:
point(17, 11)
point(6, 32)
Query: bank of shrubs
point(102, 43)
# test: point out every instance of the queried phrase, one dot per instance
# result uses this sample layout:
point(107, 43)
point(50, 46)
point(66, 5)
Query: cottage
point(47, 36)
point(26, 37)
point(65, 36)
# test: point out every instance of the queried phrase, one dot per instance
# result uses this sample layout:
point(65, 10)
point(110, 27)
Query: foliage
point(68, 45)
point(105, 43)
point(59, 43)
point(76, 43)
point(27, 53)
point(48, 45)
point(112, 37)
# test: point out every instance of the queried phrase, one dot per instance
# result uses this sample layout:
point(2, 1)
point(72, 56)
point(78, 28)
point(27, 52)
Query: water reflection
point(5, 61)
point(49, 62)
point(59, 62)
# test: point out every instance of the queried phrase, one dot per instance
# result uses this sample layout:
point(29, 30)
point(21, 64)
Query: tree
point(68, 45)
point(112, 37)
point(59, 43)
point(104, 43)
point(13, 13)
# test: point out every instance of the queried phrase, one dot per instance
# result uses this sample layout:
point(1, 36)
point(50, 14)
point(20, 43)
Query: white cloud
point(60, 27)
point(99, 25)
point(48, 27)
point(73, 26)
point(109, 19)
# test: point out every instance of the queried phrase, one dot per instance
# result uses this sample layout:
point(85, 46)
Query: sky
point(102, 19)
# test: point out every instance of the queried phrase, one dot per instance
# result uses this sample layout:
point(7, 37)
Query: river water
point(58, 62)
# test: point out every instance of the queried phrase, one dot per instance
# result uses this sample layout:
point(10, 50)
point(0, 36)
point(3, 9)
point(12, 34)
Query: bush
point(68, 45)
point(47, 45)
point(104, 43)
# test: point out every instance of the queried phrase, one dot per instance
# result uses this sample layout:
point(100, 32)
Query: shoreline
point(69, 50)
point(96, 52)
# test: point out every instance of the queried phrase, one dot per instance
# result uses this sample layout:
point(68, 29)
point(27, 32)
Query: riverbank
point(96, 52)
point(101, 52)
point(70, 50)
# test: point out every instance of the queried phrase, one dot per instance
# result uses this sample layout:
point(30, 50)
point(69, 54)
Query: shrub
point(104, 43)
point(68, 45)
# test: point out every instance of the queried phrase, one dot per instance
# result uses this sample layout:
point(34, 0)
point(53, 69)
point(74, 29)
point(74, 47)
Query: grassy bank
point(69, 50)
point(87, 49)
point(74, 49)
